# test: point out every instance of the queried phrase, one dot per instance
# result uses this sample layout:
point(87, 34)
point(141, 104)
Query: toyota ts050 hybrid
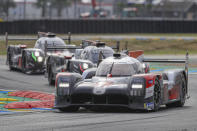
point(123, 81)
point(32, 60)
point(85, 58)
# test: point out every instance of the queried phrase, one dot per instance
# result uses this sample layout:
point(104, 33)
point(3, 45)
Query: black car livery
point(32, 60)
point(83, 59)
point(122, 81)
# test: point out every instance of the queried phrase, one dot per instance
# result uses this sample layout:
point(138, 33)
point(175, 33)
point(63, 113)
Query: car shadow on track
point(163, 109)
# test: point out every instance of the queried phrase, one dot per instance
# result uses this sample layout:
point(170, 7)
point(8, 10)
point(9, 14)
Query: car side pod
point(146, 89)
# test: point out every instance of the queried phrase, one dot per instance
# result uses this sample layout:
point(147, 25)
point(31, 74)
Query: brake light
point(67, 57)
point(109, 75)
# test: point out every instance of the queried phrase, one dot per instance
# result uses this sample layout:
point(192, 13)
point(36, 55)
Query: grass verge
point(153, 47)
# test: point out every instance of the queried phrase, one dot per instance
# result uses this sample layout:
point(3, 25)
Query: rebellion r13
point(32, 60)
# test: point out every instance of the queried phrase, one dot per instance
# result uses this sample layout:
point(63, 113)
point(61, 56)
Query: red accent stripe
point(174, 93)
point(81, 68)
point(19, 62)
point(136, 54)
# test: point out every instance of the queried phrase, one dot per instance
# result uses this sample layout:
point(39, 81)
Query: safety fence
point(81, 26)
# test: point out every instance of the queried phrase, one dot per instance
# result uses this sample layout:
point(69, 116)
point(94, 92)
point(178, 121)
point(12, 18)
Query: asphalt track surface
point(166, 119)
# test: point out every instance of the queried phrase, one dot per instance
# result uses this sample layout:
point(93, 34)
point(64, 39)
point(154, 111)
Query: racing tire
point(24, 62)
point(9, 62)
point(157, 95)
point(50, 78)
point(11, 68)
point(181, 102)
point(69, 109)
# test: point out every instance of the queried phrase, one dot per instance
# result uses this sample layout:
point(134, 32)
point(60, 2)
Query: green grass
point(149, 46)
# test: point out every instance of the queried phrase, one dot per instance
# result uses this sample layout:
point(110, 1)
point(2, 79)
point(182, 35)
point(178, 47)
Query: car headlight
point(40, 59)
point(37, 53)
point(137, 86)
point(64, 85)
point(85, 66)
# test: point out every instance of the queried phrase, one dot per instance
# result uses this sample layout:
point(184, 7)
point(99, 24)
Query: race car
point(29, 60)
point(85, 58)
point(32, 60)
point(122, 81)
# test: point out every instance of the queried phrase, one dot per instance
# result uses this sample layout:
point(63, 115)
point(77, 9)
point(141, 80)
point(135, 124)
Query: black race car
point(29, 60)
point(122, 81)
point(85, 58)
point(32, 60)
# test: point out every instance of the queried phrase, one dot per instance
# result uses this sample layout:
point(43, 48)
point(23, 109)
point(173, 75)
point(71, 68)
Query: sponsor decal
point(144, 105)
point(34, 57)
point(150, 105)
point(149, 92)
point(150, 82)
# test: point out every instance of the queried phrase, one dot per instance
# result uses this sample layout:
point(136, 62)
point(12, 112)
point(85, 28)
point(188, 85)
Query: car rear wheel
point(50, 77)
point(11, 68)
point(157, 95)
point(24, 63)
point(181, 102)
point(69, 109)
point(9, 62)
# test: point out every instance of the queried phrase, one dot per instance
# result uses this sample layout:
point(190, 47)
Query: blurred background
point(98, 16)
point(155, 26)
point(11, 10)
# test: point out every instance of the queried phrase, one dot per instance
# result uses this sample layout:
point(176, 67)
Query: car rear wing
point(63, 47)
point(39, 35)
point(117, 46)
point(183, 61)
point(49, 34)
point(72, 48)
point(86, 43)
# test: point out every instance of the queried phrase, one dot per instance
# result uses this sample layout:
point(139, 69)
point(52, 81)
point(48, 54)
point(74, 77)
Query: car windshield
point(52, 43)
point(116, 69)
point(105, 53)
point(58, 43)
